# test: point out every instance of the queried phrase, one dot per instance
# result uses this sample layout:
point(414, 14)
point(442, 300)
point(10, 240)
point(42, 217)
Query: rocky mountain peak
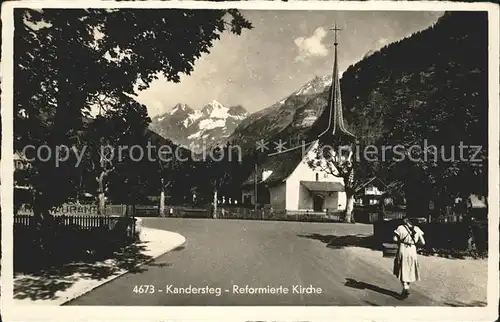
point(315, 86)
point(212, 124)
point(180, 107)
point(237, 110)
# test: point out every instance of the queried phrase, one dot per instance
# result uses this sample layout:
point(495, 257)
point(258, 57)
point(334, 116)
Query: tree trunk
point(162, 200)
point(215, 204)
point(41, 213)
point(350, 190)
point(101, 201)
point(349, 207)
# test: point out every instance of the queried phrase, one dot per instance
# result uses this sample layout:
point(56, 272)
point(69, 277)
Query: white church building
point(286, 182)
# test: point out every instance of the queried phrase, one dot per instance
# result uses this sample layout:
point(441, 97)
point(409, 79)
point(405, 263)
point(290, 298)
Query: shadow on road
point(44, 284)
point(365, 286)
point(159, 264)
point(337, 242)
point(473, 303)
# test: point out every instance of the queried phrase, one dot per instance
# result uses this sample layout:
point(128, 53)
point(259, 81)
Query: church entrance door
point(318, 202)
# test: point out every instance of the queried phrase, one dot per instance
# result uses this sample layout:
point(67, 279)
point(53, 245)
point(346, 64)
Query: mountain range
point(375, 91)
point(198, 129)
point(216, 124)
point(441, 96)
point(290, 117)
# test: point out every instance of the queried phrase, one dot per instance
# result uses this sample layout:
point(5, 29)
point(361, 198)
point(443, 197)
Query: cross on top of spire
point(335, 29)
point(336, 126)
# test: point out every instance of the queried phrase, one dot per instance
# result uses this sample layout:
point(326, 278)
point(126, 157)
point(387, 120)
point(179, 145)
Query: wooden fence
point(279, 215)
point(79, 209)
point(171, 211)
point(81, 222)
point(235, 212)
point(68, 238)
point(232, 212)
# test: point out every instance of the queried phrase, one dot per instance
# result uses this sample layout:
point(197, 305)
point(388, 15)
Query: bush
point(66, 242)
point(440, 236)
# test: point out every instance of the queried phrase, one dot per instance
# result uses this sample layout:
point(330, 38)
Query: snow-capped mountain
point(293, 114)
point(315, 86)
point(199, 129)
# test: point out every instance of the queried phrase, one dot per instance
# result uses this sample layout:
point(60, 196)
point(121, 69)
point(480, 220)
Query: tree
point(439, 98)
point(66, 61)
point(220, 165)
point(338, 158)
point(117, 148)
point(174, 173)
point(343, 155)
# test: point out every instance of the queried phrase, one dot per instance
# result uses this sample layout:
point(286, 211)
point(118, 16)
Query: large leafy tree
point(412, 116)
point(66, 61)
point(116, 152)
point(176, 169)
point(221, 163)
point(439, 99)
point(342, 160)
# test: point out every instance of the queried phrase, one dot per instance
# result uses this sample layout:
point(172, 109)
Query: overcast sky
point(285, 50)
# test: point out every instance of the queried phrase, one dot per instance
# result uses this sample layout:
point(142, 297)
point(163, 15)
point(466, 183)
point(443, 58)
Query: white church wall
point(278, 196)
point(298, 197)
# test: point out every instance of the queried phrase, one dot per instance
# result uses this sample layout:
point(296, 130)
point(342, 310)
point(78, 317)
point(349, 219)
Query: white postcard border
point(12, 312)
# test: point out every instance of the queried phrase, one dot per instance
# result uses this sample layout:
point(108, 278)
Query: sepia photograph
point(227, 156)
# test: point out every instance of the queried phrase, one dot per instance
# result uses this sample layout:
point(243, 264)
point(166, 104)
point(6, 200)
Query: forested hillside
point(430, 86)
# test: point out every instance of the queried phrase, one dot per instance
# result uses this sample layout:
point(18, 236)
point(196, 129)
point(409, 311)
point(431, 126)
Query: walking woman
point(406, 267)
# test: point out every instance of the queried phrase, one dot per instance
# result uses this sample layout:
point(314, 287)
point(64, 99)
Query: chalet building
point(475, 205)
point(285, 181)
point(373, 192)
point(21, 165)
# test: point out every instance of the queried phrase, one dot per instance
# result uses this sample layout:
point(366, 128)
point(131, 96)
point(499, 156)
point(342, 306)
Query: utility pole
point(161, 207)
point(162, 198)
point(255, 186)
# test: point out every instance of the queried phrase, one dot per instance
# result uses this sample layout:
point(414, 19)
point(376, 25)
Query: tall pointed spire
point(336, 126)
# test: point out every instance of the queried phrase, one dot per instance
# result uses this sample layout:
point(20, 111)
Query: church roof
point(283, 164)
point(279, 165)
point(335, 128)
point(374, 181)
point(323, 186)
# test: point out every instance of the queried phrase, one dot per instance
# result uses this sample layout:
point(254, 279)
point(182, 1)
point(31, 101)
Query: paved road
point(225, 253)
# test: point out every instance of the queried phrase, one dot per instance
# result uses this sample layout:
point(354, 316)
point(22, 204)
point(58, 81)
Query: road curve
point(225, 253)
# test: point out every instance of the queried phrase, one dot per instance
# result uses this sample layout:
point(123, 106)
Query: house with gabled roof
point(21, 164)
point(372, 192)
point(286, 182)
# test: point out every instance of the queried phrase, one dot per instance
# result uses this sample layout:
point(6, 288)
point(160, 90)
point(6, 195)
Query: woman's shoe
point(405, 293)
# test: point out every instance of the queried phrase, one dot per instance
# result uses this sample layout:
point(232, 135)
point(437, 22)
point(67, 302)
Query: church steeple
point(336, 126)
